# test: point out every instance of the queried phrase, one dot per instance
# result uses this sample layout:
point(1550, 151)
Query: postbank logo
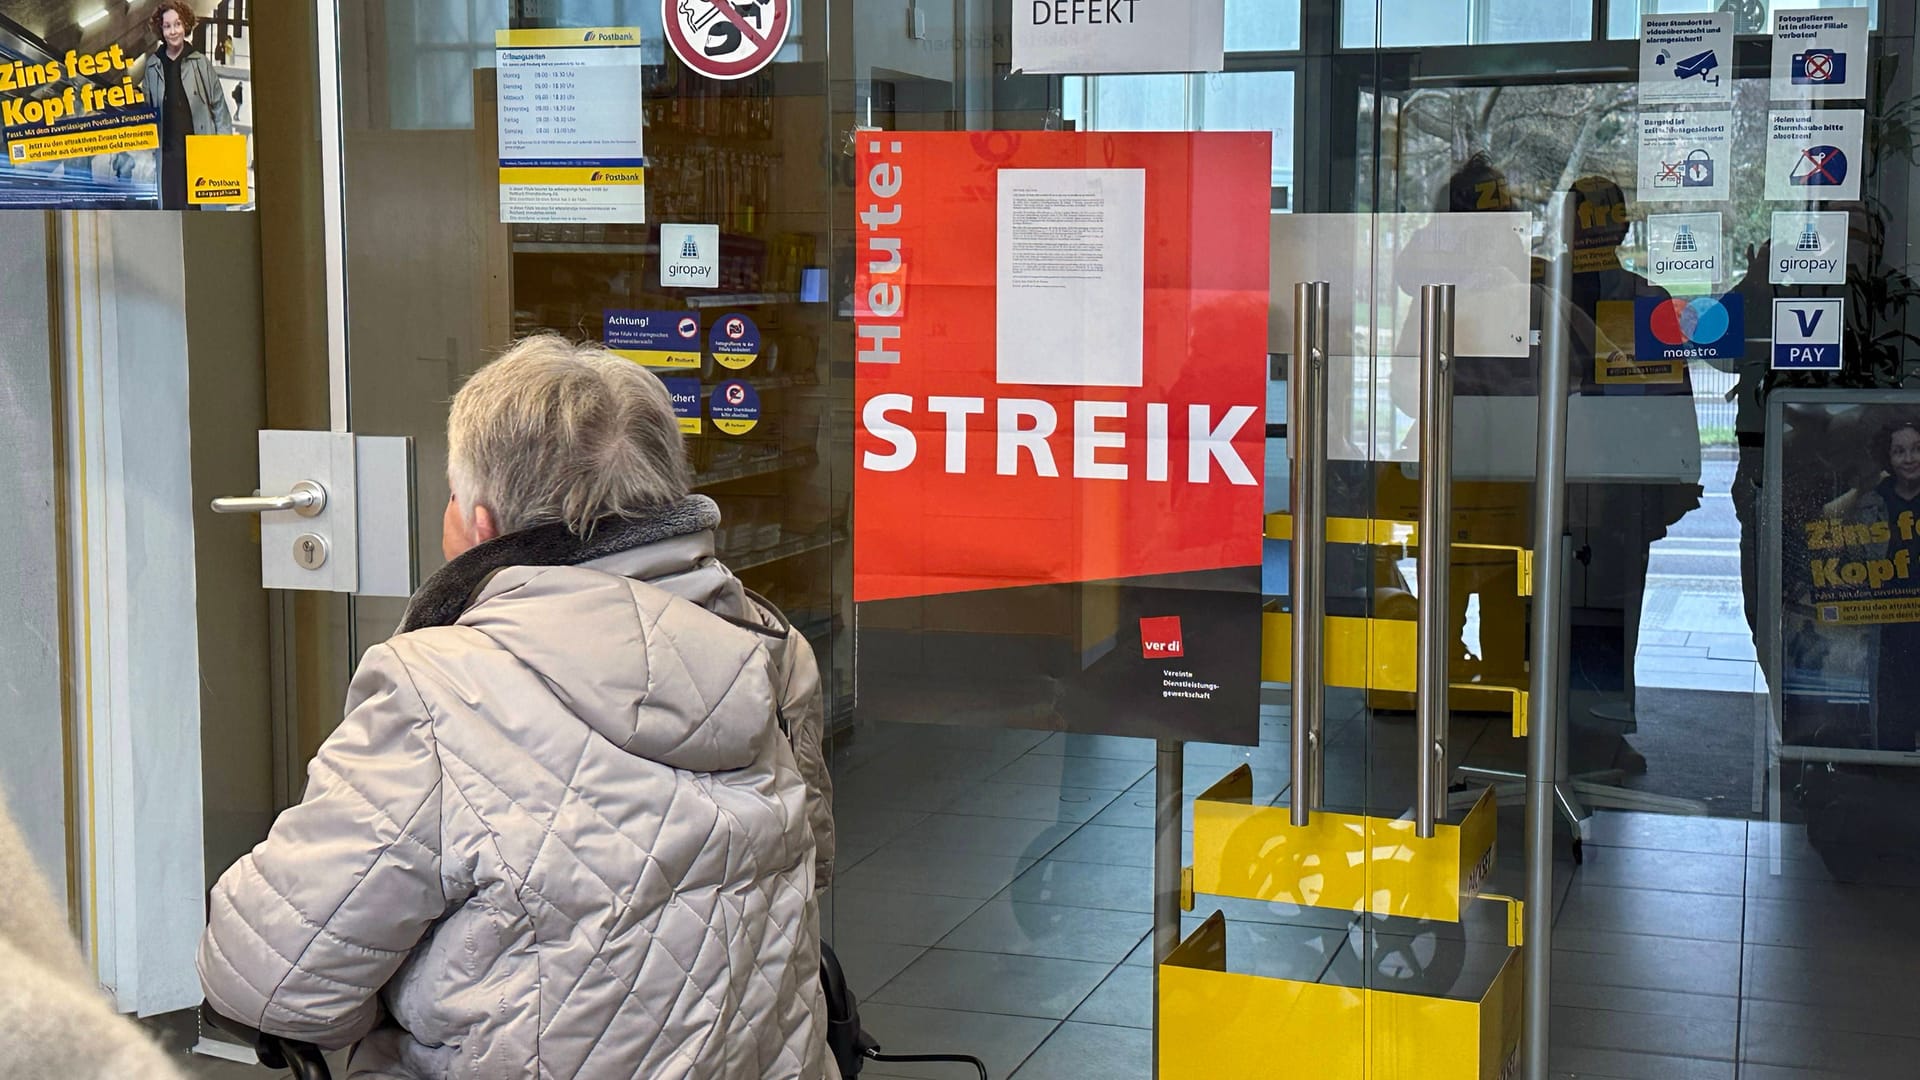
point(612, 37)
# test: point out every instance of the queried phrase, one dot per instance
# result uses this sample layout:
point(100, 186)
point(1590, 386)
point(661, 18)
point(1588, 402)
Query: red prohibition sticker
point(726, 39)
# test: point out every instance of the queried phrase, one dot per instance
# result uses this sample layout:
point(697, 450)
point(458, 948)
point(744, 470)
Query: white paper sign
point(1071, 277)
point(1686, 58)
point(570, 125)
point(690, 256)
point(1809, 248)
point(1820, 55)
point(1685, 249)
point(1684, 156)
point(1094, 37)
point(1815, 156)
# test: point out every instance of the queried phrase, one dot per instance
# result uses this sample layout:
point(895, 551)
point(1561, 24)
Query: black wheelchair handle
point(304, 1060)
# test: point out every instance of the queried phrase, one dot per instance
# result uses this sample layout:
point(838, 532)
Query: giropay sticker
point(1686, 57)
point(1820, 55)
point(1684, 155)
point(1814, 156)
point(1806, 333)
point(690, 256)
point(1809, 248)
point(1684, 249)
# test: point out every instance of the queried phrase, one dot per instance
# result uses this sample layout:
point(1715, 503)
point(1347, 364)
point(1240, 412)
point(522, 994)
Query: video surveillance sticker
point(1820, 55)
point(1686, 58)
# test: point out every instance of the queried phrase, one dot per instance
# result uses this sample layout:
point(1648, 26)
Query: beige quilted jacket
point(563, 837)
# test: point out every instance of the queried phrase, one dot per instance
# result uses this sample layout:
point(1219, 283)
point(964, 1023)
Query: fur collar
point(448, 593)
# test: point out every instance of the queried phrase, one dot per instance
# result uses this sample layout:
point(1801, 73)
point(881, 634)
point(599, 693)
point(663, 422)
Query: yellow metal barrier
point(1218, 1025)
point(1346, 862)
point(1371, 532)
point(1368, 654)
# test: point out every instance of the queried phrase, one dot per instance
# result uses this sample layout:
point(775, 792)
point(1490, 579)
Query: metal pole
point(1548, 641)
point(1169, 771)
point(1436, 551)
point(1307, 445)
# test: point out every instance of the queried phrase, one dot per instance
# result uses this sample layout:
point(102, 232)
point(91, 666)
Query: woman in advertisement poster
point(1892, 501)
point(186, 94)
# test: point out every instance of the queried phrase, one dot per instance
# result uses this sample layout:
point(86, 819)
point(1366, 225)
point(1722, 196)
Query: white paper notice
point(1096, 37)
point(1686, 58)
point(1683, 156)
point(570, 125)
point(1071, 277)
point(1815, 156)
point(1820, 55)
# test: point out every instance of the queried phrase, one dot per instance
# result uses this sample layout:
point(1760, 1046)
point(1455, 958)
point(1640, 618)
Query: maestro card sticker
point(1684, 155)
point(1670, 332)
point(1820, 55)
point(1814, 156)
point(1809, 248)
point(735, 407)
point(735, 341)
point(1686, 58)
point(655, 339)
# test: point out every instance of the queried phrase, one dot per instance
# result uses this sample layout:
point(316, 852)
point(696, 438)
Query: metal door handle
point(1436, 552)
point(307, 499)
point(1307, 446)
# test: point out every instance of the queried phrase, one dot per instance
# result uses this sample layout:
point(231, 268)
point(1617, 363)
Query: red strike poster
point(1060, 392)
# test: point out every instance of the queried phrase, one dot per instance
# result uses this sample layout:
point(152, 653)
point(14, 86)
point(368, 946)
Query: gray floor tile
point(1058, 770)
point(1667, 832)
point(1003, 1042)
point(1110, 844)
point(1637, 961)
point(1114, 747)
point(1592, 1064)
point(870, 965)
point(1647, 1033)
point(1753, 1071)
point(894, 918)
point(1620, 999)
point(1849, 1053)
point(1033, 986)
point(1866, 922)
point(1031, 801)
point(859, 831)
point(973, 834)
point(937, 873)
point(1696, 916)
point(1067, 933)
point(1135, 810)
point(1078, 1051)
point(1843, 992)
point(1671, 871)
point(1124, 1000)
point(1088, 885)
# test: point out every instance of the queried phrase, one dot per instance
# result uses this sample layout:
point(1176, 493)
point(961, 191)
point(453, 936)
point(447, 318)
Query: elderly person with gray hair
point(575, 819)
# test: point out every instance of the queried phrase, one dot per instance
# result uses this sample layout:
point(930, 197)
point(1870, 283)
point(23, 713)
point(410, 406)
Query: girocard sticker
point(1820, 55)
point(656, 339)
point(1101, 37)
point(735, 407)
point(1685, 249)
point(726, 39)
point(570, 125)
point(1060, 386)
point(1809, 248)
point(690, 256)
point(217, 169)
point(734, 341)
point(686, 401)
point(1670, 332)
point(1684, 155)
point(1814, 155)
point(1807, 333)
point(1686, 58)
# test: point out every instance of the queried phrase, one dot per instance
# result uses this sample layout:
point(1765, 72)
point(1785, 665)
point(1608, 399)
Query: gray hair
point(554, 431)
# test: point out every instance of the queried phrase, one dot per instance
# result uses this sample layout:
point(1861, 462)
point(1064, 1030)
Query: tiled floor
point(995, 899)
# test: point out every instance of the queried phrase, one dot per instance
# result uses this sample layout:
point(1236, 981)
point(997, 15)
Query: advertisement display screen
point(142, 107)
point(1060, 383)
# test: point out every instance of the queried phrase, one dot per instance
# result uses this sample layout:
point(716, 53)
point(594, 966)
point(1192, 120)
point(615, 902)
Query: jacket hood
point(654, 673)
